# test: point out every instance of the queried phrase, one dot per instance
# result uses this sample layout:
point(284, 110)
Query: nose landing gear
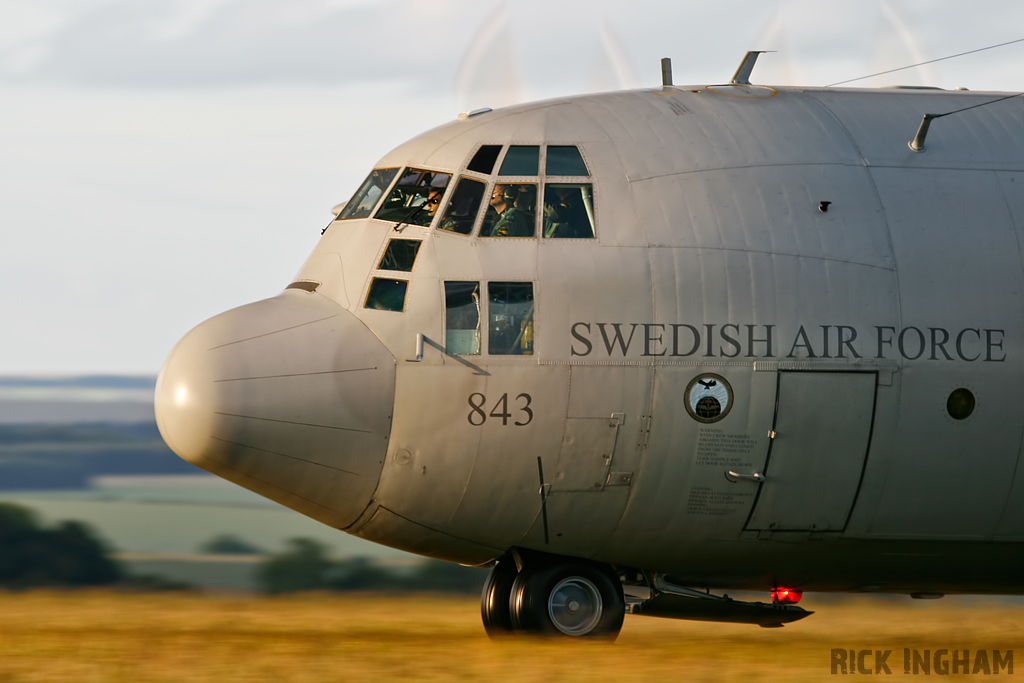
point(553, 597)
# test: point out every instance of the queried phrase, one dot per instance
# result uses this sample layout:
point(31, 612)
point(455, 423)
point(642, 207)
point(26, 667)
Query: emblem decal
point(708, 398)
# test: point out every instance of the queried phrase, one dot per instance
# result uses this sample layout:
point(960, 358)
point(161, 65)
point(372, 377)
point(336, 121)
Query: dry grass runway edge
point(101, 636)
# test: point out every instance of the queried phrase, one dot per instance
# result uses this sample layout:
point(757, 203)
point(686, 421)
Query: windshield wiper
point(412, 214)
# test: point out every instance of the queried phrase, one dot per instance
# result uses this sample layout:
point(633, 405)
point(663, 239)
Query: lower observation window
point(510, 318)
point(400, 255)
point(462, 318)
point(386, 294)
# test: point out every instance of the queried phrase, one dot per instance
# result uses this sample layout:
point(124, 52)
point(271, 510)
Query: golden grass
point(101, 636)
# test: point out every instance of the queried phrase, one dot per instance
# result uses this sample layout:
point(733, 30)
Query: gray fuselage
point(730, 381)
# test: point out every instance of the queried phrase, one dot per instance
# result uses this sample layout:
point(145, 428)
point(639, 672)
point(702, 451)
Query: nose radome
point(290, 397)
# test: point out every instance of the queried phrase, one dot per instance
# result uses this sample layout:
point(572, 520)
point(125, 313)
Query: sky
point(162, 161)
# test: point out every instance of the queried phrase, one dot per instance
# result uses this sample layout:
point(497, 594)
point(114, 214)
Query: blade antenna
point(742, 75)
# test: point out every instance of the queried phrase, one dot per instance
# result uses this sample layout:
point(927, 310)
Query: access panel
point(822, 429)
point(588, 447)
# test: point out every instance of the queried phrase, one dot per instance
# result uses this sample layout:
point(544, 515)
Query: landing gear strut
point(562, 598)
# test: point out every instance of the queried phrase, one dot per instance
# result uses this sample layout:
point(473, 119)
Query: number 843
point(478, 402)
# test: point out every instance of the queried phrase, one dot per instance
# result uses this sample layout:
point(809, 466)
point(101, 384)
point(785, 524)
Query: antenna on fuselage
point(742, 75)
point(917, 144)
point(930, 61)
point(666, 72)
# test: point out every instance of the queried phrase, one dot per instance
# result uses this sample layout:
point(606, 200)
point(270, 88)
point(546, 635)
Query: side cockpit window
point(462, 318)
point(369, 193)
point(507, 310)
point(568, 210)
point(512, 211)
point(415, 197)
point(460, 215)
point(568, 206)
point(510, 324)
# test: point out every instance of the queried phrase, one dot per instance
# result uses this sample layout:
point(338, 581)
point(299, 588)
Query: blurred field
point(106, 636)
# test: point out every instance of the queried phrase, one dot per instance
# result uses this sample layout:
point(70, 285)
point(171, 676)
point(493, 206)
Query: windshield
point(366, 197)
point(415, 198)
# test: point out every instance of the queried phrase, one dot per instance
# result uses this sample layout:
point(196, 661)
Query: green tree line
point(305, 566)
point(66, 555)
point(69, 554)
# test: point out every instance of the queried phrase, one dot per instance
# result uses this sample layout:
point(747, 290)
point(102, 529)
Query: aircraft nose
point(290, 397)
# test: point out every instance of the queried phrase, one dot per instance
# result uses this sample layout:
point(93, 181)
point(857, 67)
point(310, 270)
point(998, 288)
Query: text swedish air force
point(712, 340)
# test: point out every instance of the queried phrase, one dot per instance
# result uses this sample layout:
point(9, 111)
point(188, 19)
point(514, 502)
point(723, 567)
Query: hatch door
point(822, 432)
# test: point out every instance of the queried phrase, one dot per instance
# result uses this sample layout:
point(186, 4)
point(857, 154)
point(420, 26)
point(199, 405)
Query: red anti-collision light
point(787, 595)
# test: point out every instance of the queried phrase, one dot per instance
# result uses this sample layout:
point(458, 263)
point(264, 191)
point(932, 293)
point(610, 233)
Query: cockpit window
point(366, 197)
point(510, 313)
point(415, 198)
point(565, 160)
point(462, 318)
point(568, 210)
point(463, 207)
point(512, 211)
point(483, 160)
point(400, 255)
point(521, 160)
point(386, 294)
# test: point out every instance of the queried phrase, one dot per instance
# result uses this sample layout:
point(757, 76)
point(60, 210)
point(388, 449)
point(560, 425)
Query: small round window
point(960, 404)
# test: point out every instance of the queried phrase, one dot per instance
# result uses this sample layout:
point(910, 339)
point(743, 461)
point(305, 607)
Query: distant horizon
point(76, 399)
point(91, 380)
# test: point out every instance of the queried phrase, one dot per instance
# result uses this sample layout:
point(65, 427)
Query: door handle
point(755, 477)
point(419, 350)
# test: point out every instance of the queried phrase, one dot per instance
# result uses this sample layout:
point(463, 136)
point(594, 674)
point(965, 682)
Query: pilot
point(421, 214)
point(433, 202)
point(503, 218)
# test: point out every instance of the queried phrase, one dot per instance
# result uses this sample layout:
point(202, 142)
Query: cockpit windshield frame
point(578, 218)
point(415, 197)
point(379, 180)
point(558, 206)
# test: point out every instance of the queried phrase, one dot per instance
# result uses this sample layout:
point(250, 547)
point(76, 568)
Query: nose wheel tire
point(494, 600)
point(569, 600)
